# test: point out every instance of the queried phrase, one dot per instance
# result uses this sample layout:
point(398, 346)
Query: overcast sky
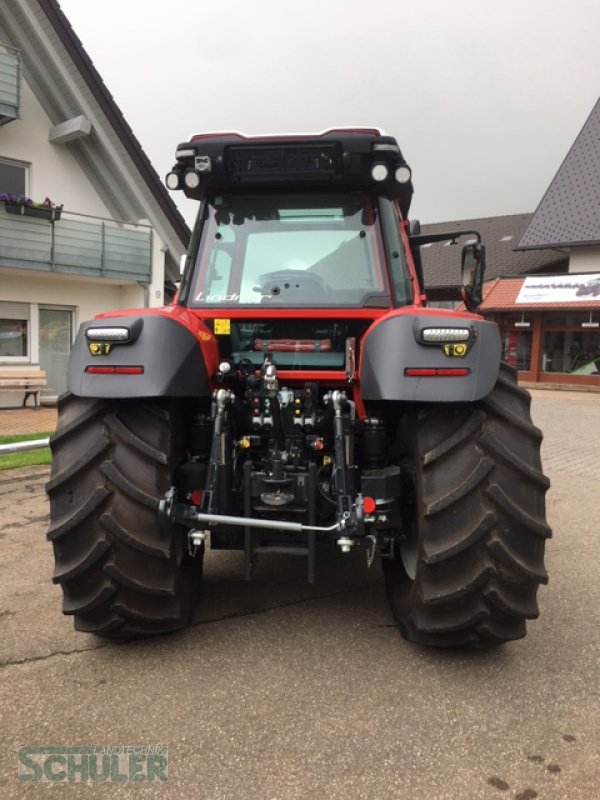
point(485, 97)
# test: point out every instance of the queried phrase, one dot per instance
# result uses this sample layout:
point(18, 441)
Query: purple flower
point(7, 197)
point(16, 198)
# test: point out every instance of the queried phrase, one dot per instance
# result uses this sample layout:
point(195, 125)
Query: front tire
point(467, 571)
point(122, 575)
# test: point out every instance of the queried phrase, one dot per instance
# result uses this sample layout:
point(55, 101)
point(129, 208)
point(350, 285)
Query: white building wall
point(584, 259)
point(54, 171)
point(83, 297)
point(87, 296)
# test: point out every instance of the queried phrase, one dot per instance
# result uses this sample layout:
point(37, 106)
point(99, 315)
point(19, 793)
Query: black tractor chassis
point(280, 502)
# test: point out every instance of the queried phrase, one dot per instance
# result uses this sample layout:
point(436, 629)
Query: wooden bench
point(29, 380)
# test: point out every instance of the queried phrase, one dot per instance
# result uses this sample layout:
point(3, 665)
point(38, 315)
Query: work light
point(379, 172)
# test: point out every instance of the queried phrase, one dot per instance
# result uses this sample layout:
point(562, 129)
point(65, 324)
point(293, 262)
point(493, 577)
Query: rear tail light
point(437, 372)
point(196, 497)
point(114, 370)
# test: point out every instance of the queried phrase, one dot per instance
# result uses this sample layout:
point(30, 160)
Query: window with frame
point(568, 346)
point(576, 352)
point(14, 331)
point(516, 348)
point(13, 178)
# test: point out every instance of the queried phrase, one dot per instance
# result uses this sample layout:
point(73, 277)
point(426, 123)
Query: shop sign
point(570, 288)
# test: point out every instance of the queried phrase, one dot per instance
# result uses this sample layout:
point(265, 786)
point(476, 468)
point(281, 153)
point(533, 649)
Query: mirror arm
point(449, 236)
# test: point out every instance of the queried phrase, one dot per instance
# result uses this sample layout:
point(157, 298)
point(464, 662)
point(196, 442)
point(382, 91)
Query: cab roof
point(345, 159)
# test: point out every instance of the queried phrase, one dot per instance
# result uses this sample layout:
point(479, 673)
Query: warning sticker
point(222, 326)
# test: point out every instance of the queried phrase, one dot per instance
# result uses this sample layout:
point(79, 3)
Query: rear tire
point(121, 573)
point(468, 569)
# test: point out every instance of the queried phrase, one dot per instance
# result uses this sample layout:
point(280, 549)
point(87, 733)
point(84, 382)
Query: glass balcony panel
point(127, 250)
point(24, 238)
point(10, 83)
point(76, 244)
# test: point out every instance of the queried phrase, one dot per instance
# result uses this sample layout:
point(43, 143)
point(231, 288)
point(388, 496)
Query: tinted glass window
point(13, 178)
point(13, 337)
point(293, 251)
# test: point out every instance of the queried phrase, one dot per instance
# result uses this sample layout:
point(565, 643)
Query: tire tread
point(121, 573)
point(479, 519)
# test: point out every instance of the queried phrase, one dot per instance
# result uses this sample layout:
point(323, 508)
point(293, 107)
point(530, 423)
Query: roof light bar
point(355, 158)
point(390, 148)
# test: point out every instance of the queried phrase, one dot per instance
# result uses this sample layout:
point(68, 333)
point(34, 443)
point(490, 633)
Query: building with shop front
point(108, 237)
point(550, 326)
point(543, 273)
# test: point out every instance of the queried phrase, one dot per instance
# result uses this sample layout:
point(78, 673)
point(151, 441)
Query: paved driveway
point(282, 691)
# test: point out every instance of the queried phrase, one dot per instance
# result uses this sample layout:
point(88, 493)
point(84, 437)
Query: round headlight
point(192, 179)
point(403, 174)
point(379, 172)
point(172, 180)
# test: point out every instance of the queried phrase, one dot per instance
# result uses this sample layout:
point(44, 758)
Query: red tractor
point(299, 390)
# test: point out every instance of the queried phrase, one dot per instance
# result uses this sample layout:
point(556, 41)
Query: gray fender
point(168, 352)
point(394, 344)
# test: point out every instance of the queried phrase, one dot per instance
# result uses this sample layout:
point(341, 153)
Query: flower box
point(40, 212)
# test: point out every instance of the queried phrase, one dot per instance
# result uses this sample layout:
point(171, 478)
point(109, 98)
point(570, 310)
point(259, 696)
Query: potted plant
point(19, 204)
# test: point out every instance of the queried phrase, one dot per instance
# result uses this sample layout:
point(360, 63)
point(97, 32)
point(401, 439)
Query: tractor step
point(255, 546)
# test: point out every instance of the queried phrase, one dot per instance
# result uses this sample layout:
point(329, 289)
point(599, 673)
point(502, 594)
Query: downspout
point(146, 288)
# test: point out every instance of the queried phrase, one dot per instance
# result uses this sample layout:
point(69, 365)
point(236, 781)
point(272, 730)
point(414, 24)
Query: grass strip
point(28, 458)
point(25, 437)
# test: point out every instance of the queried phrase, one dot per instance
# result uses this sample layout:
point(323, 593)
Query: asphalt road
point(280, 691)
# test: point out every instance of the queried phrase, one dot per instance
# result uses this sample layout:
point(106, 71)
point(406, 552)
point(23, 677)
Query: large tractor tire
point(467, 570)
point(121, 573)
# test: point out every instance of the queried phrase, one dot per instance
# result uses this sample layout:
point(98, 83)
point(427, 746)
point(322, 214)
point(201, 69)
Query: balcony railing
point(76, 244)
point(10, 83)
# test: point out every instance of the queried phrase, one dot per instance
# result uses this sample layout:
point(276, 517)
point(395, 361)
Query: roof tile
point(569, 212)
point(441, 264)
